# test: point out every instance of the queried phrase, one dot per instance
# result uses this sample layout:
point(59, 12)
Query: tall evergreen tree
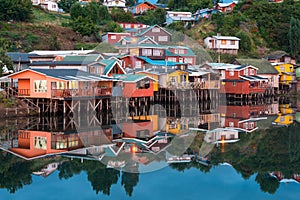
point(294, 37)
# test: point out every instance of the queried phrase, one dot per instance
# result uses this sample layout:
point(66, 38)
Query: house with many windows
point(222, 44)
point(176, 16)
point(240, 80)
point(157, 33)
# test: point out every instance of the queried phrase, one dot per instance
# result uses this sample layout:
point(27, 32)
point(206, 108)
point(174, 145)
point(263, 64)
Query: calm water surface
point(239, 152)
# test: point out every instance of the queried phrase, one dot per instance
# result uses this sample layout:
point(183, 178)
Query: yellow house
point(285, 109)
point(284, 119)
point(168, 77)
point(286, 73)
point(176, 126)
point(152, 75)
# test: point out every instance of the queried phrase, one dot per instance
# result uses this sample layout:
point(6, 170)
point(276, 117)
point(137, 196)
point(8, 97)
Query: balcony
point(68, 93)
point(23, 92)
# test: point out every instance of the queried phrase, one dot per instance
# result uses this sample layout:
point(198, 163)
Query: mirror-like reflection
point(255, 138)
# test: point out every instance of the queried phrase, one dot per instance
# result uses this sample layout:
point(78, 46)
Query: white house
point(115, 4)
point(50, 6)
point(173, 16)
point(223, 44)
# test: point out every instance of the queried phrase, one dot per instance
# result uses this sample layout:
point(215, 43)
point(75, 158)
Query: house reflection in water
point(242, 117)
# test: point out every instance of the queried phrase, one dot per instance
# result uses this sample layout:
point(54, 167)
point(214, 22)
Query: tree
point(131, 2)
point(113, 27)
point(153, 17)
point(5, 61)
point(294, 37)
point(119, 15)
point(245, 41)
point(66, 4)
point(16, 10)
point(77, 11)
point(84, 26)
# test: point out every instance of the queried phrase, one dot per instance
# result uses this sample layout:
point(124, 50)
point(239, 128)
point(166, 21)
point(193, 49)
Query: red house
point(242, 118)
point(225, 7)
point(112, 37)
point(128, 25)
point(142, 8)
point(240, 79)
point(136, 85)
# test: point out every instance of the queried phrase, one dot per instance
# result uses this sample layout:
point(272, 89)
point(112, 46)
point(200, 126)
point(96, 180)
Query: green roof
point(264, 67)
point(188, 53)
point(130, 77)
point(82, 58)
point(109, 64)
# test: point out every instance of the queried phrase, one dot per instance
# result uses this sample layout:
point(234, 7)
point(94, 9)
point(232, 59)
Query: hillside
point(46, 31)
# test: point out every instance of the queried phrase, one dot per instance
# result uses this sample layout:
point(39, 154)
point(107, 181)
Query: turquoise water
point(223, 182)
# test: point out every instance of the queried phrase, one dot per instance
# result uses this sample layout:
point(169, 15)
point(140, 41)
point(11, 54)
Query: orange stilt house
point(52, 85)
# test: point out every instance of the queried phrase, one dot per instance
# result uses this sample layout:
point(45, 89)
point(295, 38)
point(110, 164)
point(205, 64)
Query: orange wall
point(130, 90)
point(32, 151)
point(34, 76)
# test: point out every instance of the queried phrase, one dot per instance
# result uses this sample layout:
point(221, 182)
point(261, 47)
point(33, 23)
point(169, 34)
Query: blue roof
point(17, 56)
point(160, 62)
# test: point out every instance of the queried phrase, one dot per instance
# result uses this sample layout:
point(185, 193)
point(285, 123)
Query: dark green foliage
point(151, 17)
point(245, 41)
point(15, 10)
point(177, 26)
point(294, 37)
point(112, 26)
point(131, 2)
point(84, 26)
point(5, 61)
point(66, 4)
point(129, 181)
point(119, 15)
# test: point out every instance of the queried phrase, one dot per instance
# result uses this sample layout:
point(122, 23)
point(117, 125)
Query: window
point(144, 84)
point(223, 42)
point(232, 42)
point(156, 52)
point(234, 115)
point(143, 133)
point(245, 125)
point(147, 52)
point(252, 72)
point(138, 64)
point(231, 73)
point(188, 60)
point(232, 136)
point(246, 72)
point(156, 30)
point(172, 59)
point(40, 86)
point(251, 125)
point(113, 37)
point(231, 124)
point(40, 142)
point(233, 83)
point(181, 51)
point(163, 38)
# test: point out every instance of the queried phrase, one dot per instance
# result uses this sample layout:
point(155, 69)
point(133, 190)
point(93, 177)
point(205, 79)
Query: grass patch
point(42, 16)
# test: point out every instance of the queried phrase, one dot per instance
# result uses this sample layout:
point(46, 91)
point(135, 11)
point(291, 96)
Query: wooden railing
point(67, 93)
point(195, 85)
point(23, 92)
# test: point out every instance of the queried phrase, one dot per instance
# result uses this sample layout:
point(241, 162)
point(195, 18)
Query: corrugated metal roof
point(71, 74)
point(264, 67)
